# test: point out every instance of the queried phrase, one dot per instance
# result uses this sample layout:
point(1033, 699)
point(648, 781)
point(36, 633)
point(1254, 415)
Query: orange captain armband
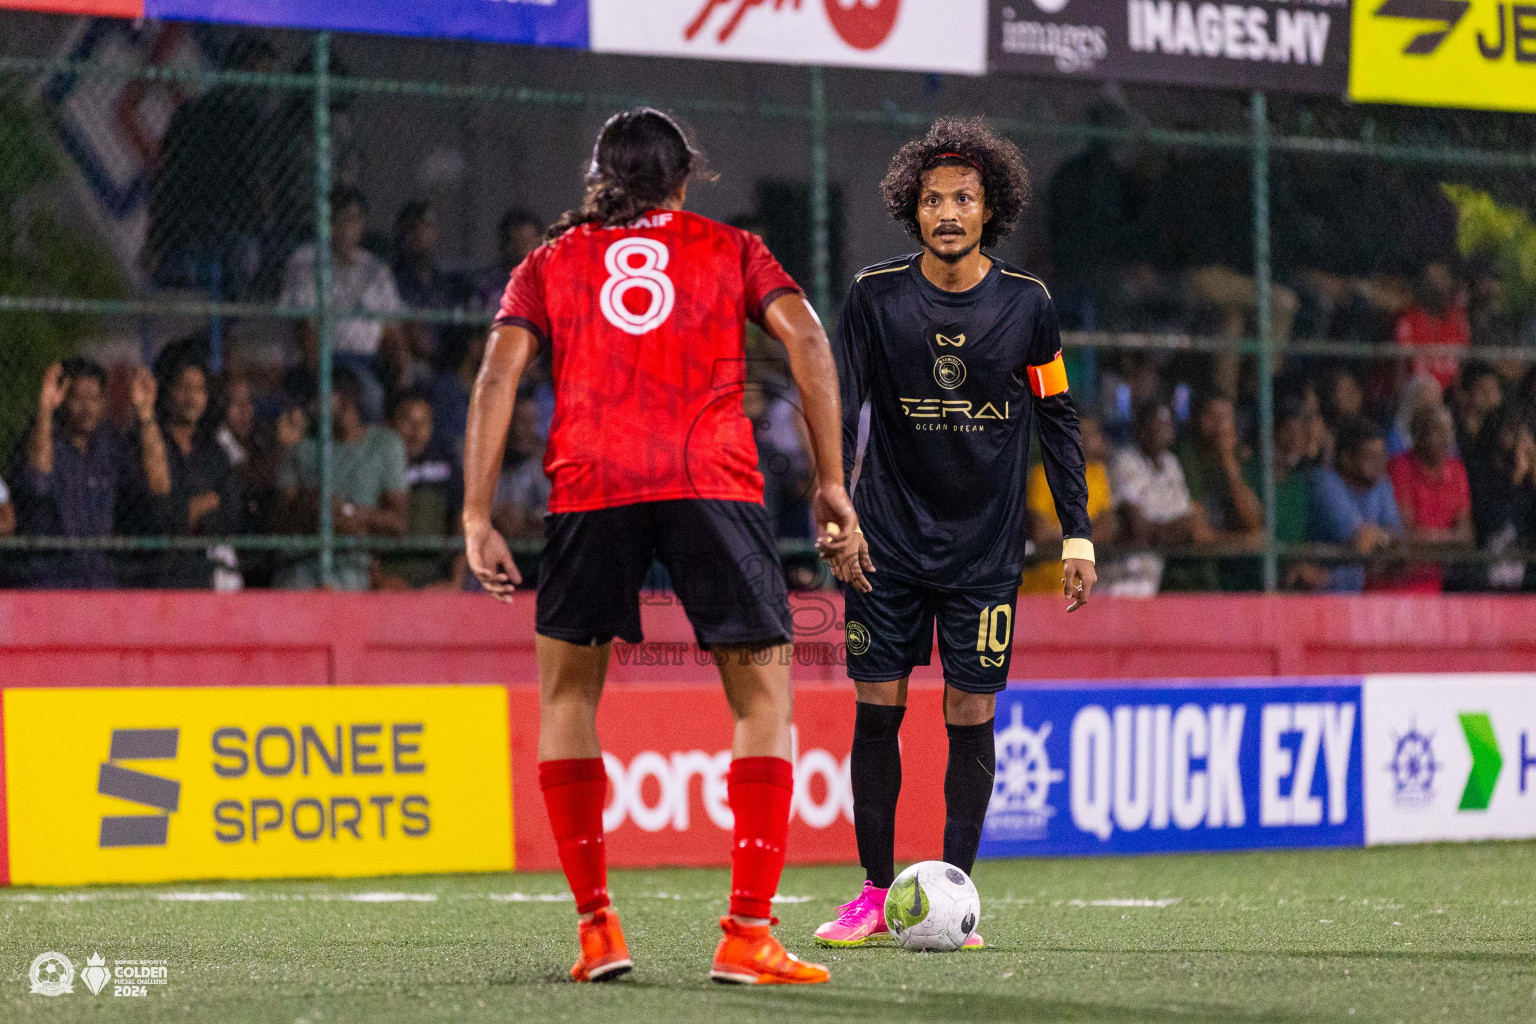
point(1049, 379)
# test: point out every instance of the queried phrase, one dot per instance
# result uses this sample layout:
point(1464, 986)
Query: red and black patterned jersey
point(646, 325)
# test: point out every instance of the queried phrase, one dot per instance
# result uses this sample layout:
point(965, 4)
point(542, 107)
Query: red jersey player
point(643, 309)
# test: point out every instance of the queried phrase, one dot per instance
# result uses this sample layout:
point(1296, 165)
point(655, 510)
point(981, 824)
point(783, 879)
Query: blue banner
point(1157, 769)
point(537, 22)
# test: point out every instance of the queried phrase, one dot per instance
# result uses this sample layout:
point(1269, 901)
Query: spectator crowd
point(1408, 470)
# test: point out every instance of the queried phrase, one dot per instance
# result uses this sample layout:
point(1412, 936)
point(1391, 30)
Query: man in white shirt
point(1154, 503)
point(360, 281)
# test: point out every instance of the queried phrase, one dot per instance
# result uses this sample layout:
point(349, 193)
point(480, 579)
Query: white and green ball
point(932, 907)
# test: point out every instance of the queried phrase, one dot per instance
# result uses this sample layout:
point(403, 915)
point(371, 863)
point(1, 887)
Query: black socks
point(876, 777)
point(967, 790)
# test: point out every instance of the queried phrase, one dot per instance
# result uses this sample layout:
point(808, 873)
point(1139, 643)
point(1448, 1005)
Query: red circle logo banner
point(863, 24)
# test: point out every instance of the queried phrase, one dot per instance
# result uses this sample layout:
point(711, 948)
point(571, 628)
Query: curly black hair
point(1004, 178)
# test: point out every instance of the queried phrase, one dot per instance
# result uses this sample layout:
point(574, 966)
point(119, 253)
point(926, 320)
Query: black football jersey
point(955, 382)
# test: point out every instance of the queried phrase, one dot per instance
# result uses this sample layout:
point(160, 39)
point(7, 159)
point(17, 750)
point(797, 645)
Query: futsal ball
point(932, 907)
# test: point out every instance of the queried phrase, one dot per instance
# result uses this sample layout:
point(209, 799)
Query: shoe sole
point(721, 977)
point(608, 972)
point(877, 939)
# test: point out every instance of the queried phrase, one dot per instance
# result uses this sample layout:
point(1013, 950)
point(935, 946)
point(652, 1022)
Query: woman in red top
point(1432, 494)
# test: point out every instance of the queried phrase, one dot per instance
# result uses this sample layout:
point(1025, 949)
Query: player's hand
point(1077, 580)
point(55, 384)
point(491, 561)
point(839, 539)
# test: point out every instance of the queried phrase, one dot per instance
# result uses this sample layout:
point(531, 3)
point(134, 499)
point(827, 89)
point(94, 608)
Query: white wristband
point(1077, 547)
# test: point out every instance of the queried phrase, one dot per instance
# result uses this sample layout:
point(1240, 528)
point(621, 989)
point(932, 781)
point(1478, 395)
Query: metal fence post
point(821, 215)
point(322, 116)
point(1261, 275)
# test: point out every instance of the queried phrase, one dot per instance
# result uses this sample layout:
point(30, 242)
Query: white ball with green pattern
point(932, 907)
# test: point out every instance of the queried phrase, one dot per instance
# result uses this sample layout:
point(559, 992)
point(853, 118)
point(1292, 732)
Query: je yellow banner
point(1445, 53)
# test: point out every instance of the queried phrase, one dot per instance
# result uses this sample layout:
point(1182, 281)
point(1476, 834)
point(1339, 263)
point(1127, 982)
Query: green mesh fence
point(276, 211)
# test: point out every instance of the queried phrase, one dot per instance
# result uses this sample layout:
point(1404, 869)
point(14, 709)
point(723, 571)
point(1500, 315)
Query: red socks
point(760, 789)
point(574, 791)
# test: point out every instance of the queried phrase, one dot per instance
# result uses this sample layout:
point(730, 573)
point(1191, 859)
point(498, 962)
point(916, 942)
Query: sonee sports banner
point(158, 784)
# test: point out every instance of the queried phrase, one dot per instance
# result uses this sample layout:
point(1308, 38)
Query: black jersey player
point(958, 355)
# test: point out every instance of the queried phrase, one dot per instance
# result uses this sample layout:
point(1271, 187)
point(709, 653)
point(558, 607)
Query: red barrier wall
point(181, 639)
point(194, 639)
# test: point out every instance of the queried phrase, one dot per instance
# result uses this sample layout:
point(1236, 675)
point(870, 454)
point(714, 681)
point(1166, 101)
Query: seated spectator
point(1213, 470)
point(518, 234)
point(522, 489)
point(77, 476)
point(369, 489)
point(1501, 472)
point(1419, 392)
point(1295, 458)
point(1342, 397)
point(1437, 316)
point(1154, 504)
point(205, 492)
point(1353, 505)
point(450, 388)
point(255, 451)
point(1434, 501)
point(434, 499)
point(373, 350)
point(421, 282)
point(1045, 528)
point(1480, 390)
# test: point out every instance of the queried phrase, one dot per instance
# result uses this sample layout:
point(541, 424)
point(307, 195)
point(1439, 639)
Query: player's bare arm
point(792, 321)
point(485, 439)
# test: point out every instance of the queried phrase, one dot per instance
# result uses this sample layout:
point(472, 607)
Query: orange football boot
point(604, 954)
point(750, 955)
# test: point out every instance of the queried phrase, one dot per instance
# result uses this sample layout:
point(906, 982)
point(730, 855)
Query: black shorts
point(890, 630)
point(721, 555)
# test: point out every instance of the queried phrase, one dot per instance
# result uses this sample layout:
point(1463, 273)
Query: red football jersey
point(646, 325)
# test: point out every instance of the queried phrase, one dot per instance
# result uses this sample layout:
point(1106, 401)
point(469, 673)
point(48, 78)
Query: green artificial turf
point(1435, 933)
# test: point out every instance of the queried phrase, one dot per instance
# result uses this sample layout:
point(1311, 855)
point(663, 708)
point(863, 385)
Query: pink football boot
point(859, 921)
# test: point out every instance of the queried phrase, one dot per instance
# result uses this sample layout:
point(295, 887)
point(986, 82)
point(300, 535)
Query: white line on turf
point(224, 896)
point(200, 897)
point(537, 897)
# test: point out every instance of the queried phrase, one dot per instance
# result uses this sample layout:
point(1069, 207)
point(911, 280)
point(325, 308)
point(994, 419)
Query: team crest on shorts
point(858, 638)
